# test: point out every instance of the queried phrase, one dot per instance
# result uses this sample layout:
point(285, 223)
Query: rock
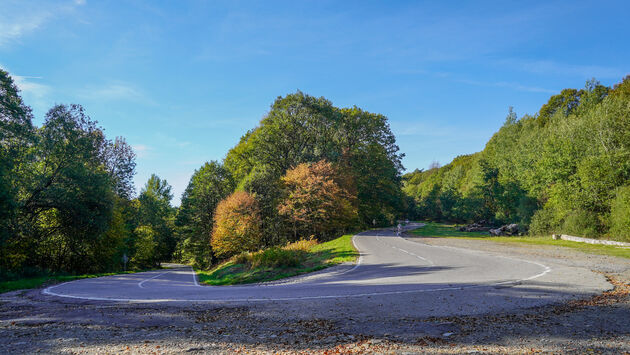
point(508, 230)
point(473, 227)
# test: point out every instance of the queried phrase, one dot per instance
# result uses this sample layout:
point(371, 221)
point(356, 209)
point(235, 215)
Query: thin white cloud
point(21, 18)
point(114, 92)
point(171, 141)
point(13, 30)
point(29, 86)
point(549, 67)
point(141, 150)
point(508, 85)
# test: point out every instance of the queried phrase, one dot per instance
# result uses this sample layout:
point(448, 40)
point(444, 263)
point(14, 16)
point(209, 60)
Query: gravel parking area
point(31, 323)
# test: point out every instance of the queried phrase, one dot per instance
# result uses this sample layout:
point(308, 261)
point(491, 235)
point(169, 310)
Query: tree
point(236, 225)
point(17, 135)
point(146, 253)
point(63, 190)
point(315, 203)
point(303, 129)
point(195, 218)
point(266, 187)
point(67, 198)
point(564, 170)
point(156, 212)
point(121, 165)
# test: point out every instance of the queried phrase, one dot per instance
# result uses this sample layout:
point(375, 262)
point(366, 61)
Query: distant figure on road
point(399, 229)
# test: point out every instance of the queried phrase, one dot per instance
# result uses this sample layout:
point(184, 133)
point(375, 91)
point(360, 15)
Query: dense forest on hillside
point(68, 205)
point(565, 169)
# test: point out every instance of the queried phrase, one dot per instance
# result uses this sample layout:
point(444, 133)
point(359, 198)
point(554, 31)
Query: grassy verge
point(443, 230)
point(34, 282)
point(278, 263)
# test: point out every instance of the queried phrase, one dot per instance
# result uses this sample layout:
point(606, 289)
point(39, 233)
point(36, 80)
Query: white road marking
point(547, 269)
point(151, 278)
point(405, 251)
point(194, 275)
point(144, 300)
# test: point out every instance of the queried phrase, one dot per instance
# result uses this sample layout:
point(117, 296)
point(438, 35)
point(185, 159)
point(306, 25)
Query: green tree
point(156, 212)
point(195, 218)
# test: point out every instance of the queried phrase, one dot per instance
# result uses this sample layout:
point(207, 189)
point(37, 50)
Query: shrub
point(620, 214)
point(237, 225)
point(581, 223)
point(290, 255)
point(301, 245)
point(542, 222)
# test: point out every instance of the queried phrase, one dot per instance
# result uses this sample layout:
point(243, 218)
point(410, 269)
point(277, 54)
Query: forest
point(564, 169)
point(309, 170)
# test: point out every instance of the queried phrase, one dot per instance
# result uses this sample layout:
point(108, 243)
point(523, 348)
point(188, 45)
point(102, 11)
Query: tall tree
point(195, 218)
point(155, 212)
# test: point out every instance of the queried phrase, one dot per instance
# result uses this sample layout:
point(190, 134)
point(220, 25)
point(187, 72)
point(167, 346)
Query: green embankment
point(34, 282)
point(444, 230)
point(313, 258)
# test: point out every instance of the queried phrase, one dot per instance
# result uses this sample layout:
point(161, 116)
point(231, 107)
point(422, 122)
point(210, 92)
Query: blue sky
point(183, 80)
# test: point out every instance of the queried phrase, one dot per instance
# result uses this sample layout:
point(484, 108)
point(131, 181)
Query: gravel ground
point(32, 323)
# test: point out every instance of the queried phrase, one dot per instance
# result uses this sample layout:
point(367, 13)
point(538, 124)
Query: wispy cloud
point(458, 79)
point(508, 85)
point(29, 86)
point(172, 141)
point(114, 92)
point(21, 18)
point(549, 67)
point(141, 150)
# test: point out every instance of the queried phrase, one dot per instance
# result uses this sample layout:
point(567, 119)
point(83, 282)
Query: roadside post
point(125, 258)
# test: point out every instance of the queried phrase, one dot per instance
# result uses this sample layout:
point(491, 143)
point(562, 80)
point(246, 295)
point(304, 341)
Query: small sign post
point(125, 258)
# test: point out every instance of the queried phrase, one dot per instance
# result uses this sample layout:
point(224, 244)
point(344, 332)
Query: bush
point(581, 223)
point(542, 222)
point(290, 255)
point(620, 214)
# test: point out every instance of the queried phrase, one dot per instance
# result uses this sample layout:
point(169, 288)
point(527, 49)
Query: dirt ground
point(32, 323)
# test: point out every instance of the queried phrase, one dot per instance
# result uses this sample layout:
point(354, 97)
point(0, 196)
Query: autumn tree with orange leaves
point(315, 201)
point(237, 225)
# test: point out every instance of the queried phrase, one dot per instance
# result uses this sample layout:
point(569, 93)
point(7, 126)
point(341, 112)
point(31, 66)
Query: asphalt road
point(412, 277)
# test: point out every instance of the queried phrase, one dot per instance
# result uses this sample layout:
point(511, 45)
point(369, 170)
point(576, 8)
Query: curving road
point(390, 269)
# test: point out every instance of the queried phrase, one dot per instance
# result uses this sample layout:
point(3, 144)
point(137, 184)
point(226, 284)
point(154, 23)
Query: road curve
point(389, 268)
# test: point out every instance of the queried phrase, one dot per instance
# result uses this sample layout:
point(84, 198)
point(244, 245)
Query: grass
point(38, 281)
point(443, 230)
point(278, 263)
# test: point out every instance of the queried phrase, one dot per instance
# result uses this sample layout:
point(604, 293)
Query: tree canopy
point(564, 169)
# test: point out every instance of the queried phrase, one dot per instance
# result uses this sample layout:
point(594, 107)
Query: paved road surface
point(391, 269)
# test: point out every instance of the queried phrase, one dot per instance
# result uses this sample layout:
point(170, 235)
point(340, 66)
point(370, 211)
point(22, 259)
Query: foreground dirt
point(31, 323)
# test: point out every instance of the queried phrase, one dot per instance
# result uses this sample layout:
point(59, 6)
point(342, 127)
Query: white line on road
point(151, 278)
point(48, 291)
point(405, 251)
point(194, 275)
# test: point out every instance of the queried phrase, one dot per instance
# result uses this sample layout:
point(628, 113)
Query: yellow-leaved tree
point(316, 202)
point(237, 225)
